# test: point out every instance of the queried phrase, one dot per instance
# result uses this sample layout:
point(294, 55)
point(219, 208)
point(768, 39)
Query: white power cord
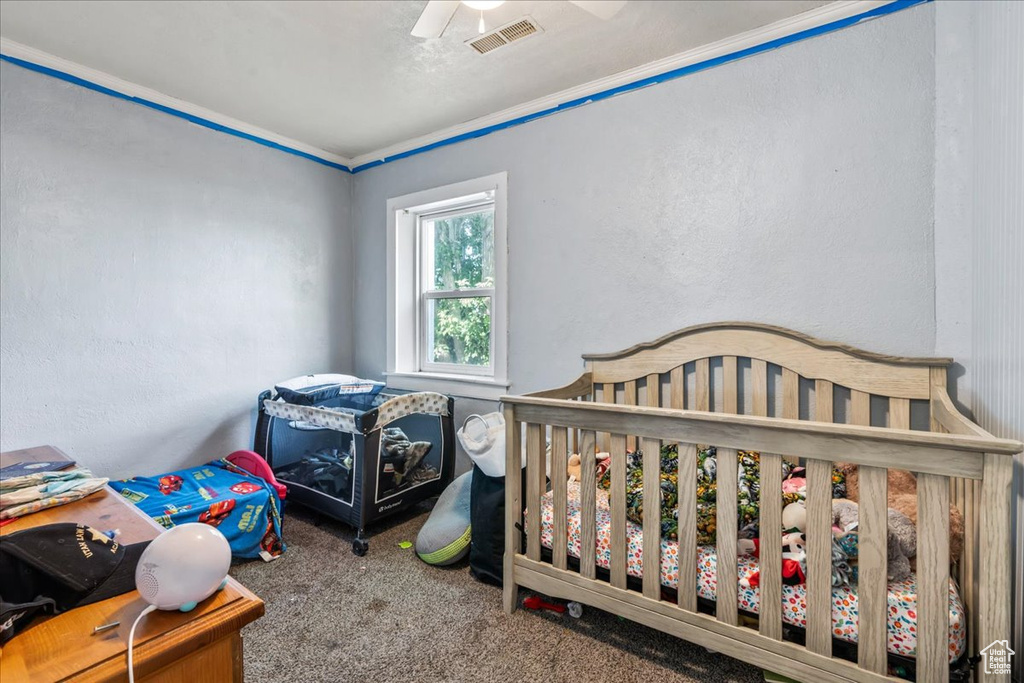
point(131, 641)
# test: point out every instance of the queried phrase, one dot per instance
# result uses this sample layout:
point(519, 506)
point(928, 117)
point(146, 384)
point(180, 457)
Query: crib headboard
point(791, 375)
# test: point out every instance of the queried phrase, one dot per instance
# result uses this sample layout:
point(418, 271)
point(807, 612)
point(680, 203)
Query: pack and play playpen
point(355, 454)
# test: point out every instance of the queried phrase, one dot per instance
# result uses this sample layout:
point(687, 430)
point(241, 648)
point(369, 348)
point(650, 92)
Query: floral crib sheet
point(902, 621)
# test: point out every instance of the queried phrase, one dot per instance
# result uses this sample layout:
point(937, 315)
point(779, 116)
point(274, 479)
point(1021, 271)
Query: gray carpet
point(388, 617)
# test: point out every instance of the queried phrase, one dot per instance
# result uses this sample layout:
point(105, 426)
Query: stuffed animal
point(794, 516)
point(794, 520)
point(794, 559)
point(901, 537)
point(573, 468)
point(902, 496)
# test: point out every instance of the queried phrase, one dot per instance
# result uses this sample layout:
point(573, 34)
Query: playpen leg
point(360, 545)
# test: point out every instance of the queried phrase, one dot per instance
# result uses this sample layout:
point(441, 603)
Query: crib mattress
point(902, 621)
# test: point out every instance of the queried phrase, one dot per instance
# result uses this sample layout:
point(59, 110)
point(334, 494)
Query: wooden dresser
point(202, 646)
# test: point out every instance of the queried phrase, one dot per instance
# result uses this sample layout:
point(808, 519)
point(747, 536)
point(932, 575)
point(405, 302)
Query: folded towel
point(41, 490)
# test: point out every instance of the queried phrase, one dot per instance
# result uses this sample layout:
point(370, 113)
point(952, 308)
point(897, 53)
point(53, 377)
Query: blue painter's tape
point(198, 120)
point(660, 78)
point(889, 8)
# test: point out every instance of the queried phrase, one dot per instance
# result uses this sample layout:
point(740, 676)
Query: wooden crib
point(784, 394)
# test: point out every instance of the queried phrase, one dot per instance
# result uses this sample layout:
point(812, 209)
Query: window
point(457, 289)
point(446, 289)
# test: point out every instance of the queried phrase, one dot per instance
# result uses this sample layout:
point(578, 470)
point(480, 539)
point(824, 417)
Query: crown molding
point(52, 65)
point(826, 18)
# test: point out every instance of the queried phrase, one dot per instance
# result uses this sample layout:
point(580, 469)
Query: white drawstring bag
point(483, 438)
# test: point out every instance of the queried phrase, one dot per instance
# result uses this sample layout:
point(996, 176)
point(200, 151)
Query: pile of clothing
point(401, 461)
point(326, 469)
point(20, 496)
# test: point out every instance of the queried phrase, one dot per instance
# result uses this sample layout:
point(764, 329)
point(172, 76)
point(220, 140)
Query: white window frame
point(407, 300)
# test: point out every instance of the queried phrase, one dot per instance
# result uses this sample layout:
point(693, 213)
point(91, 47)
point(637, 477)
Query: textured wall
point(954, 96)
point(156, 276)
point(794, 187)
point(997, 368)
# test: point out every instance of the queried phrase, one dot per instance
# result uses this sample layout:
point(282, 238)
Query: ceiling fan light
point(483, 4)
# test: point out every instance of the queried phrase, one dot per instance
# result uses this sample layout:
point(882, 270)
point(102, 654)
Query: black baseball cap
point(53, 568)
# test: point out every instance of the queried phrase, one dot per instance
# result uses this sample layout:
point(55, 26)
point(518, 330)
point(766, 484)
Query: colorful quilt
point(243, 507)
point(902, 622)
point(748, 490)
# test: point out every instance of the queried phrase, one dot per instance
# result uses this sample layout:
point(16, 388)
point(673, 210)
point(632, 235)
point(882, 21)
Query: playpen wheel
point(360, 546)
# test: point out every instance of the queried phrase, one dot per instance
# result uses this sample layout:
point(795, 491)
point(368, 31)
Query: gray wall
point(997, 307)
point(794, 187)
point(953, 191)
point(156, 276)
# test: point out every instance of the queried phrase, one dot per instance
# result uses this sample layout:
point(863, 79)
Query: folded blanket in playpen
point(243, 507)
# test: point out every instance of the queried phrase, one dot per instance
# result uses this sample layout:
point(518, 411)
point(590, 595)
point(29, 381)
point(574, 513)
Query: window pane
point(463, 250)
point(459, 331)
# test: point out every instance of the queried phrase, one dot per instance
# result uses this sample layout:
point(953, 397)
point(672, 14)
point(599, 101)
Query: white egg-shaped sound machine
point(183, 566)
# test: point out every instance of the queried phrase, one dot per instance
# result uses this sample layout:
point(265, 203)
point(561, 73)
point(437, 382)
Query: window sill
point(465, 386)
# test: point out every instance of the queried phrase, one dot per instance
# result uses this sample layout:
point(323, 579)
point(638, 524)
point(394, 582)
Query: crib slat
point(545, 462)
point(534, 447)
point(652, 518)
point(872, 592)
point(770, 556)
point(790, 394)
point(588, 504)
point(860, 408)
point(513, 507)
point(653, 390)
point(730, 390)
point(703, 388)
point(759, 369)
point(629, 399)
point(932, 578)
point(607, 396)
point(559, 476)
point(687, 590)
point(971, 546)
point(819, 556)
point(823, 408)
point(618, 509)
point(678, 380)
point(956, 496)
point(899, 413)
point(725, 563)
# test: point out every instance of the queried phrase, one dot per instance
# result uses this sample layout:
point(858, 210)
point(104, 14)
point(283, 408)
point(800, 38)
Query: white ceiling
point(346, 77)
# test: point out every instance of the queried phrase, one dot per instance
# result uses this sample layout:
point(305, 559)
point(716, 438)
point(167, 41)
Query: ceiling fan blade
point(602, 9)
point(435, 17)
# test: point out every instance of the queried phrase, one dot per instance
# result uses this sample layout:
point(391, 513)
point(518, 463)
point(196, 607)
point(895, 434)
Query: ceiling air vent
point(504, 35)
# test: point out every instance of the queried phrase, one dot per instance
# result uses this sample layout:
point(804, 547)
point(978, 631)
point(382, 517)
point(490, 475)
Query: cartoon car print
point(246, 487)
point(271, 542)
point(217, 512)
point(170, 483)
